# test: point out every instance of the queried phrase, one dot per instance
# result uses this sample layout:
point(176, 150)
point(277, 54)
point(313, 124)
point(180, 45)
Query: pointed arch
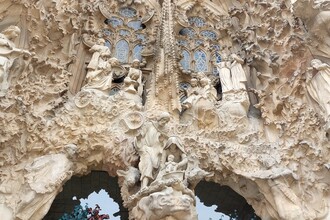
point(122, 50)
point(200, 59)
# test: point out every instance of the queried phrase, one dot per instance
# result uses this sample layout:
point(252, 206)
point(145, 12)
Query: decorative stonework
point(133, 88)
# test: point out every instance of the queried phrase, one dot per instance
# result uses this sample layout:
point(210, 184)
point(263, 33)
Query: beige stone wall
point(266, 135)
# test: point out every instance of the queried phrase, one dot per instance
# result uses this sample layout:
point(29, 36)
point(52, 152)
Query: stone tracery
point(264, 152)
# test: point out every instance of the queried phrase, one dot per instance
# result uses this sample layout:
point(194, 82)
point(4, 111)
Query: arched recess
point(82, 187)
point(227, 201)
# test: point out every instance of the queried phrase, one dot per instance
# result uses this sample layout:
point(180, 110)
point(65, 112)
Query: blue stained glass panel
point(137, 52)
point(136, 25)
point(127, 12)
point(209, 35)
point(200, 61)
point(115, 22)
point(183, 43)
point(184, 85)
point(187, 32)
point(185, 62)
point(198, 42)
point(124, 32)
point(122, 50)
point(140, 37)
point(197, 21)
point(106, 32)
point(217, 57)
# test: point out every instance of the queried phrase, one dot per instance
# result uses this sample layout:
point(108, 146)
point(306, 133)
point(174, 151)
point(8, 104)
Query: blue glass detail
point(200, 61)
point(215, 71)
point(197, 21)
point(215, 47)
point(124, 32)
point(187, 32)
point(114, 91)
point(209, 35)
point(141, 37)
point(185, 62)
point(122, 50)
point(107, 32)
point(115, 22)
point(108, 44)
point(136, 25)
point(183, 43)
point(198, 42)
point(127, 12)
point(137, 52)
point(217, 57)
point(184, 85)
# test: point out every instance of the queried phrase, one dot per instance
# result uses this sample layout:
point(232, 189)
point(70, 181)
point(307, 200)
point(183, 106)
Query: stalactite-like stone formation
point(164, 95)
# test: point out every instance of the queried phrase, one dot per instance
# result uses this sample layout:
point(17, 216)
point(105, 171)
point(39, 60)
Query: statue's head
point(163, 118)
point(315, 63)
point(11, 32)
point(136, 63)
point(204, 81)
point(194, 82)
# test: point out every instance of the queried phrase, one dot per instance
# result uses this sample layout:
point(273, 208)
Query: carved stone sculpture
point(8, 53)
point(149, 146)
point(318, 87)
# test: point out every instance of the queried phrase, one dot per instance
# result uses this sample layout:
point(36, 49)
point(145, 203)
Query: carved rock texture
point(268, 137)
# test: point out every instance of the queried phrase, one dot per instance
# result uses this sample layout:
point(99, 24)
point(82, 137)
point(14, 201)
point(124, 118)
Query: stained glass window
point(127, 12)
point(197, 21)
point(217, 57)
point(136, 25)
point(114, 21)
point(137, 52)
point(124, 32)
point(122, 50)
point(188, 32)
point(185, 62)
point(209, 35)
point(200, 61)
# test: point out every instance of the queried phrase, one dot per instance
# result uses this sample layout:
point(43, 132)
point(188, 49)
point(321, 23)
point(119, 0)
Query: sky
point(108, 206)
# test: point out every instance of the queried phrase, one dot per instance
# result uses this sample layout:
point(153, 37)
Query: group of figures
point(103, 69)
point(167, 177)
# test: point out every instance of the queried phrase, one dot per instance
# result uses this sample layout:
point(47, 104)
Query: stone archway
point(81, 187)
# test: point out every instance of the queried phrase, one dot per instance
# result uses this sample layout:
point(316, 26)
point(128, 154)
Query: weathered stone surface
point(75, 99)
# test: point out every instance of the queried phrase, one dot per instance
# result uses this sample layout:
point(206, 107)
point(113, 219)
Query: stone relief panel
point(164, 95)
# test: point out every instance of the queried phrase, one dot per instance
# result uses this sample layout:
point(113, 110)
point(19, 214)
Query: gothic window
point(125, 35)
point(185, 62)
point(200, 61)
point(202, 42)
point(137, 52)
point(122, 50)
point(114, 90)
point(196, 21)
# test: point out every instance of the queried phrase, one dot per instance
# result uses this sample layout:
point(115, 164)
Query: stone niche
point(163, 95)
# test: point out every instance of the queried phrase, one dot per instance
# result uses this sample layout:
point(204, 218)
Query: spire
point(165, 82)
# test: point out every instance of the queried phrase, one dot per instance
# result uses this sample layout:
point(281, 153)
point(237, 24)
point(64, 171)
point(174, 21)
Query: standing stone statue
point(232, 74)
point(8, 53)
point(318, 87)
point(150, 147)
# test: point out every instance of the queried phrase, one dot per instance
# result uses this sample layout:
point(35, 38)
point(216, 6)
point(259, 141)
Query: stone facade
point(163, 95)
